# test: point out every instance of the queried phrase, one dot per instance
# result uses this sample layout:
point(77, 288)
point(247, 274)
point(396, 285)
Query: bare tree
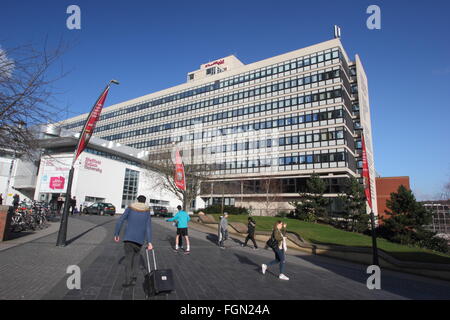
point(27, 93)
point(194, 175)
point(272, 189)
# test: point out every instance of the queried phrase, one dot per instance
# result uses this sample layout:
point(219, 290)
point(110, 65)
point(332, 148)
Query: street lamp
point(84, 134)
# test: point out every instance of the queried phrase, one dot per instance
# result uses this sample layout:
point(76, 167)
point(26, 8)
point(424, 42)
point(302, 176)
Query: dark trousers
point(132, 251)
point(251, 236)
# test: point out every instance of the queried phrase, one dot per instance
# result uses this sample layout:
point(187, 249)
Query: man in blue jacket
point(139, 229)
point(182, 218)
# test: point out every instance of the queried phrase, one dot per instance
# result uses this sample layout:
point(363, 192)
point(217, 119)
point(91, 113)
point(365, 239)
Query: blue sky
point(151, 45)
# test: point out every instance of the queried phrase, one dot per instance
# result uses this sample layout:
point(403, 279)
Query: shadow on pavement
point(68, 242)
point(404, 285)
point(245, 260)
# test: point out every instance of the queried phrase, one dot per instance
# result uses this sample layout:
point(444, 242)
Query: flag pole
point(368, 193)
point(374, 240)
point(62, 233)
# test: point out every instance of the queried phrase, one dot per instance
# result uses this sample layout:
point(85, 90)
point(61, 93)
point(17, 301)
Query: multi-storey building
point(441, 216)
point(263, 128)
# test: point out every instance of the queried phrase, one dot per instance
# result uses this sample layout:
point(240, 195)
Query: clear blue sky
point(151, 45)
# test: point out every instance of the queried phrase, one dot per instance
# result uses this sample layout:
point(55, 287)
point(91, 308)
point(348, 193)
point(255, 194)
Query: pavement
point(37, 270)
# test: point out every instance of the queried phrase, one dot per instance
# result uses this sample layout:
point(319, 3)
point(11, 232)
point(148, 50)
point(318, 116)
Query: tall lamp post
point(83, 141)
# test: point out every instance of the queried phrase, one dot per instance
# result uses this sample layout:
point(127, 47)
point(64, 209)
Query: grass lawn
point(323, 234)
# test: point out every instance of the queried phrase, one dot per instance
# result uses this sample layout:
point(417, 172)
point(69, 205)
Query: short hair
point(141, 199)
point(179, 207)
point(225, 213)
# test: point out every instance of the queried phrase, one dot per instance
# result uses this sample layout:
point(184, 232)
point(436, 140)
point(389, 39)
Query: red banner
point(366, 174)
point(89, 126)
point(180, 180)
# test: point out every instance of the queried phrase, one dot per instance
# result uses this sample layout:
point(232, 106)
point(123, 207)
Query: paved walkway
point(207, 273)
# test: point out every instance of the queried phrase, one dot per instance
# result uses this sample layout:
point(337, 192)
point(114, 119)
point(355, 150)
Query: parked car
point(160, 211)
point(100, 208)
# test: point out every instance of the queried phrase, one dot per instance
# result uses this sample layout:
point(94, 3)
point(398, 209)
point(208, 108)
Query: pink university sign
point(57, 182)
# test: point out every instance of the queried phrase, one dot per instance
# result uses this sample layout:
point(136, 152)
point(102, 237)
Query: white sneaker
point(283, 277)
point(263, 268)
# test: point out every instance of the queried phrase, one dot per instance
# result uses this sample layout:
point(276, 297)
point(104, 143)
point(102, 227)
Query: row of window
point(281, 161)
point(233, 97)
point(309, 138)
point(179, 124)
point(266, 124)
point(268, 143)
point(312, 158)
point(221, 84)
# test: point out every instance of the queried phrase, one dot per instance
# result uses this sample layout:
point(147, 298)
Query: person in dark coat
point(251, 233)
point(1, 199)
point(16, 200)
point(60, 203)
point(73, 205)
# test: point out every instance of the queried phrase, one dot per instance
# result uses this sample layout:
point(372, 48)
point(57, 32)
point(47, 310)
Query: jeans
point(224, 237)
point(279, 258)
point(251, 236)
point(132, 251)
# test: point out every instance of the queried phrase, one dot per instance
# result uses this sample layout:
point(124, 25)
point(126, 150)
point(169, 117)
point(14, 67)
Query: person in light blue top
point(182, 218)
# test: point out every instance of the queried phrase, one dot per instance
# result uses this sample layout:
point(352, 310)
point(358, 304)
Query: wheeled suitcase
point(158, 281)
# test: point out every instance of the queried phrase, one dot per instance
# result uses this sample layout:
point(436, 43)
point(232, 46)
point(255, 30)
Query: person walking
point(60, 203)
point(278, 244)
point(73, 205)
point(16, 201)
point(223, 230)
point(251, 233)
point(1, 199)
point(182, 218)
point(138, 230)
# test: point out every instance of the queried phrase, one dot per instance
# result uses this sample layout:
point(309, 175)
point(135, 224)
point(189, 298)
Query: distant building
point(385, 186)
point(441, 215)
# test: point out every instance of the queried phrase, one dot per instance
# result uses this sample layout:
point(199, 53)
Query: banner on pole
point(366, 174)
point(180, 179)
point(89, 126)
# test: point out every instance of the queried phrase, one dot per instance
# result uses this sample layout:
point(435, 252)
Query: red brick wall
point(384, 188)
point(4, 223)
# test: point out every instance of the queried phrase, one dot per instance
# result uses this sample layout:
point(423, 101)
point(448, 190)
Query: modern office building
point(262, 128)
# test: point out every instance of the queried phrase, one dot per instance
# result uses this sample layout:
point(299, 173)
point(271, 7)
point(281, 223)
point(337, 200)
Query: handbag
point(272, 242)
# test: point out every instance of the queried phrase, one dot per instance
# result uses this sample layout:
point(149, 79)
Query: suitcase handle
point(148, 260)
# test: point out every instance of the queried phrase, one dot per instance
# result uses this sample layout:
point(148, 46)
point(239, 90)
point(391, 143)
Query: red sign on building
point(57, 183)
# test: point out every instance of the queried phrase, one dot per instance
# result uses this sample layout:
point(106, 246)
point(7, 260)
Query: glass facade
point(130, 187)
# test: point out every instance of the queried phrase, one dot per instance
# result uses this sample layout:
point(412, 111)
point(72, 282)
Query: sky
point(152, 45)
